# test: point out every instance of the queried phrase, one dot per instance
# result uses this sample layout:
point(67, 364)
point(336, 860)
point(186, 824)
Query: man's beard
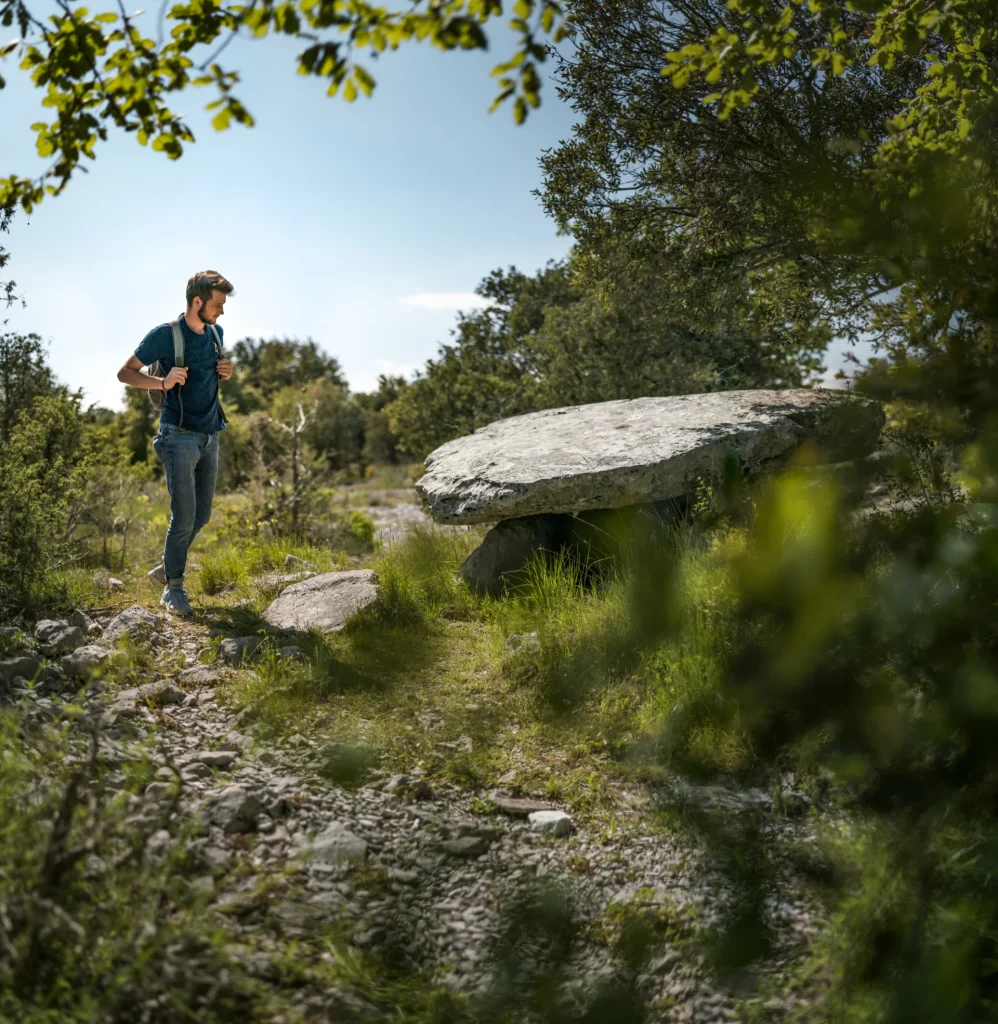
point(203, 318)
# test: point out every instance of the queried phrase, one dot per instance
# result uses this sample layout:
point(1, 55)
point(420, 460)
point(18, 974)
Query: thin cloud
point(446, 300)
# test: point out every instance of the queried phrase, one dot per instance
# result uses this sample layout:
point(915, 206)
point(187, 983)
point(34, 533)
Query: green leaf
point(523, 8)
point(350, 91)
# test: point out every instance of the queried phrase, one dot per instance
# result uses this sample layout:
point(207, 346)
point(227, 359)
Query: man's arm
point(132, 375)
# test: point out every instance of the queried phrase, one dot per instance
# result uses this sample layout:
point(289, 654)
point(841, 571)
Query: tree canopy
point(815, 158)
point(100, 71)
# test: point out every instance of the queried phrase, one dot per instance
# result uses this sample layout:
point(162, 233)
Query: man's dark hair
point(203, 283)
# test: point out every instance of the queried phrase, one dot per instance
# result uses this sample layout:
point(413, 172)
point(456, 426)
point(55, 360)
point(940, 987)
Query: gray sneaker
point(174, 600)
point(157, 575)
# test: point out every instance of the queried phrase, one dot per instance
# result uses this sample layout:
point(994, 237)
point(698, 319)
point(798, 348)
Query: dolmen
point(562, 478)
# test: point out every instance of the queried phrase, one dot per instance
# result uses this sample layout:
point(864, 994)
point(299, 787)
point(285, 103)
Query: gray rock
point(714, 797)
point(467, 846)
point(46, 629)
point(87, 624)
point(324, 602)
point(235, 651)
point(199, 675)
point(158, 694)
point(235, 809)
point(294, 652)
point(134, 622)
point(294, 562)
point(397, 783)
point(26, 666)
point(555, 823)
point(274, 581)
point(520, 807)
point(620, 453)
point(84, 661)
point(336, 845)
point(216, 758)
point(64, 641)
point(590, 538)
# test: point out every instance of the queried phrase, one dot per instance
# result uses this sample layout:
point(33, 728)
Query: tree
point(381, 443)
point(866, 646)
point(24, 376)
point(100, 71)
point(7, 295)
point(565, 337)
point(483, 375)
point(784, 165)
point(263, 368)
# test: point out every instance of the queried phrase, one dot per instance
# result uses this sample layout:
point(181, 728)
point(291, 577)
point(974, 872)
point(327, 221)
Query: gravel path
point(413, 872)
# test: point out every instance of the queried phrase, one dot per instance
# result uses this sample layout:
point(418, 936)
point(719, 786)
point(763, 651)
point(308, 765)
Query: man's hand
point(178, 375)
point(224, 367)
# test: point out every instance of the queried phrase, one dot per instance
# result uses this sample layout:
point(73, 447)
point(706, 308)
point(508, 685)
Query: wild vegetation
point(791, 174)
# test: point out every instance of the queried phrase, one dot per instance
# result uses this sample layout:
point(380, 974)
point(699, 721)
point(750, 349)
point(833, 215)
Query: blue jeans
point(190, 461)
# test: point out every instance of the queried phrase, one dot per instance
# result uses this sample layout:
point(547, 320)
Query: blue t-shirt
point(202, 408)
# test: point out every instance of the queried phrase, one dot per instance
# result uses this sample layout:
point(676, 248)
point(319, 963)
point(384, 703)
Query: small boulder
point(235, 809)
point(84, 622)
point(221, 759)
point(294, 652)
point(46, 629)
point(553, 823)
point(84, 661)
point(199, 675)
point(235, 651)
point(134, 622)
point(63, 641)
point(467, 846)
point(294, 562)
point(26, 666)
point(158, 694)
point(518, 807)
point(324, 602)
point(336, 845)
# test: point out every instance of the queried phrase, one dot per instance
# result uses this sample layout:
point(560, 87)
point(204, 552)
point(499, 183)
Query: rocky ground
point(411, 870)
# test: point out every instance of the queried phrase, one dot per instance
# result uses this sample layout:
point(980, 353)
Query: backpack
point(159, 397)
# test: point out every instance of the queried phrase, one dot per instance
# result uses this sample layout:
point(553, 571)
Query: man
point(187, 442)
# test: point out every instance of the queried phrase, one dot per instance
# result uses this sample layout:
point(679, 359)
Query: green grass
point(427, 674)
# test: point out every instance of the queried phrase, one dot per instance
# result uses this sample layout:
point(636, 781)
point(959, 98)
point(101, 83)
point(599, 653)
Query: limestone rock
point(335, 845)
point(629, 452)
point(592, 539)
point(221, 759)
point(87, 624)
point(64, 640)
point(522, 807)
point(46, 629)
point(235, 809)
point(84, 661)
point(235, 651)
point(554, 823)
point(467, 846)
point(158, 694)
point(134, 622)
point(26, 667)
point(324, 602)
point(199, 675)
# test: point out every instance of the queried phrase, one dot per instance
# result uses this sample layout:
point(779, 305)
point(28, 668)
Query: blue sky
point(363, 226)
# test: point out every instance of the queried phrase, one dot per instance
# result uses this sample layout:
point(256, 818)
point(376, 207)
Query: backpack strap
point(178, 360)
point(218, 355)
